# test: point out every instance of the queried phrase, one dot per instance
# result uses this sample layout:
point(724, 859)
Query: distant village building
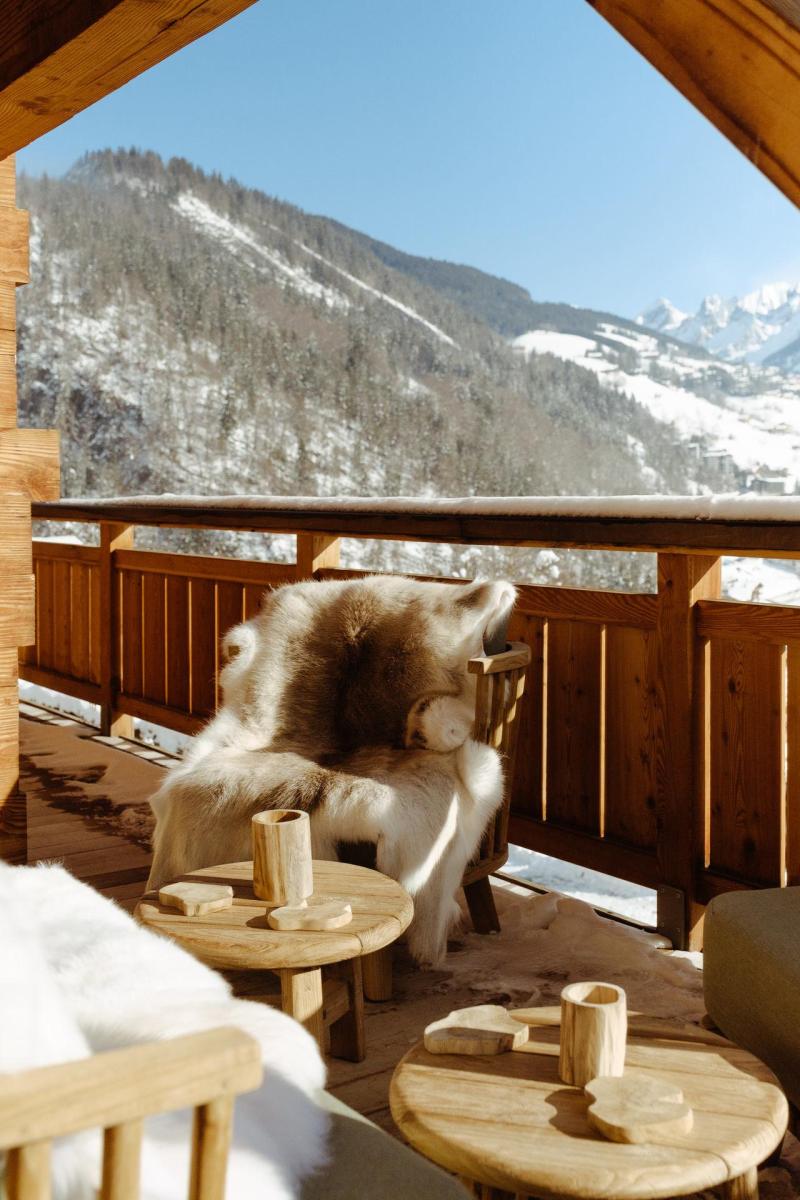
point(772, 483)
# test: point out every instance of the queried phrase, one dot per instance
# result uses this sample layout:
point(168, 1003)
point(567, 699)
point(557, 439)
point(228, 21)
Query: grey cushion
point(365, 1161)
point(752, 976)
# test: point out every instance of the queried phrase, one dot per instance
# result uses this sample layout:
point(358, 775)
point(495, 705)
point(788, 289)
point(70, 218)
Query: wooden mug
point(282, 873)
point(594, 1026)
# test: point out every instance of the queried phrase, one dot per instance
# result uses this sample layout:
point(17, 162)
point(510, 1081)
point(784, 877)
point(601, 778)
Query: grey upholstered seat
point(752, 976)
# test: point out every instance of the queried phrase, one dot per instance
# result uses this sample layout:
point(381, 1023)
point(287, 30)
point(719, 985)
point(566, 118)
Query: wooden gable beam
point(737, 61)
point(56, 59)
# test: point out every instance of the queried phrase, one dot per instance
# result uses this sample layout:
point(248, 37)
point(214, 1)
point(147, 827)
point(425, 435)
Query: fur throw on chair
point(80, 976)
point(351, 700)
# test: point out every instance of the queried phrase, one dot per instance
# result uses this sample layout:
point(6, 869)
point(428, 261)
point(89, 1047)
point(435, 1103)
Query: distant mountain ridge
point(762, 327)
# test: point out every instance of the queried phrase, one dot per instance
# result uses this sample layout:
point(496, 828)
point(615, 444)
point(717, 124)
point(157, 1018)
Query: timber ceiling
point(737, 61)
point(59, 56)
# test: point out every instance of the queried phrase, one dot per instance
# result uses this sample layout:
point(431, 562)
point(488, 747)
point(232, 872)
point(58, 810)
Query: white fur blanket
point(80, 976)
point(351, 700)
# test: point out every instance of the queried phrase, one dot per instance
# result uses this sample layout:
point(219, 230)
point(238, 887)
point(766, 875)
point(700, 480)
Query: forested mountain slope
point(188, 334)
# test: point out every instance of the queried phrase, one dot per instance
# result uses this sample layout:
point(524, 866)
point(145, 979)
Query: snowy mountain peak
point(662, 316)
point(761, 327)
point(769, 298)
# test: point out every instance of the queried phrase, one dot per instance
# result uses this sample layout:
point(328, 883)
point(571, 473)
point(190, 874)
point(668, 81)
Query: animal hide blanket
point(80, 976)
point(351, 700)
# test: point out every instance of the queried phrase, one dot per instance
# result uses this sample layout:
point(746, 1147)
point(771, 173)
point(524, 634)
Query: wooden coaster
point(636, 1109)
point(482, 1029)
point(327, 914)
point(194, 899)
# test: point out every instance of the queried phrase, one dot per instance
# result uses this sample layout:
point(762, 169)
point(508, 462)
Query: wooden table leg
point(482, 1191)
point(744, 1187)
point(347, 1033)
point(301, 998)
point(377, 973)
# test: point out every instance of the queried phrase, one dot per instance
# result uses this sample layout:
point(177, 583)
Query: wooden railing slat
point(792, 815)
point(178, 646)
point(132, 641)
point(631, 737)
point(747, 760)
point(154, 649)
point(573, 727)
point(203, 640)
point(79, 647)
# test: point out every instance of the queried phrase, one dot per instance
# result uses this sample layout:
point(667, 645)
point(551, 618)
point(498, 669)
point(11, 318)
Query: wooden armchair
point(115, 1091)
point(500, 687)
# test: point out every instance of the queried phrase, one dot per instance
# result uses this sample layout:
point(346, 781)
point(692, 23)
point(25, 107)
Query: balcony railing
point(660, 737)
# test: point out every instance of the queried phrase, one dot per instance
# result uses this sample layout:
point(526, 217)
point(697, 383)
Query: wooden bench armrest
point(516, 654)
point(119, 1086)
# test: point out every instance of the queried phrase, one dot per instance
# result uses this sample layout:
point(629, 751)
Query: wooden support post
point(28, 469)
point(315, 551)
point(113, 537)
point(683, 579)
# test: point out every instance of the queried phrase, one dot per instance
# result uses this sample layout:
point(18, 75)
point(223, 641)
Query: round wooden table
point(508, 1126)
point(239, 938)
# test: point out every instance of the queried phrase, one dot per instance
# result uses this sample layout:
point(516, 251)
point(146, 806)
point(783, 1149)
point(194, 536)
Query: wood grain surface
point(240, 937)
point(508, 1121)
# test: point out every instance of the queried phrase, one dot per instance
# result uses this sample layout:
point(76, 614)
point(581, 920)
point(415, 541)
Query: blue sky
point(524, 137)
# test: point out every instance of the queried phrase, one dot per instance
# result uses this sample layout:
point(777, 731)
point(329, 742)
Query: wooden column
point(113, 537)
point(28, 471)
point(315, 551)
point(683, 579)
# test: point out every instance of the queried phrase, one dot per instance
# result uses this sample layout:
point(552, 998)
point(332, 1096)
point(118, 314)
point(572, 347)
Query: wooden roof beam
point(57, 58)
point(737, 61)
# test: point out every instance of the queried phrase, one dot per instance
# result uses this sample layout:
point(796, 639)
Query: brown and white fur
point(350, 700)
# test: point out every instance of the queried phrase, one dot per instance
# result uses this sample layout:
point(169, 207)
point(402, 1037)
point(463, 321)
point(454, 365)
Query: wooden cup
point(282, 872)
point(594, 1026)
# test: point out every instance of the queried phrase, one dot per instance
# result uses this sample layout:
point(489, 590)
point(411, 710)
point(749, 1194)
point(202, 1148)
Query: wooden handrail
point(760, 526)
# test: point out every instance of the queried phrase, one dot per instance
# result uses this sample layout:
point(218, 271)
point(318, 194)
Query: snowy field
point(600, 891)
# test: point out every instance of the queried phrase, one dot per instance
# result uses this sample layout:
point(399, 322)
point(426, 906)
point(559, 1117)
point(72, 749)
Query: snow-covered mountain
point(740, 421)
point(762, 327)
